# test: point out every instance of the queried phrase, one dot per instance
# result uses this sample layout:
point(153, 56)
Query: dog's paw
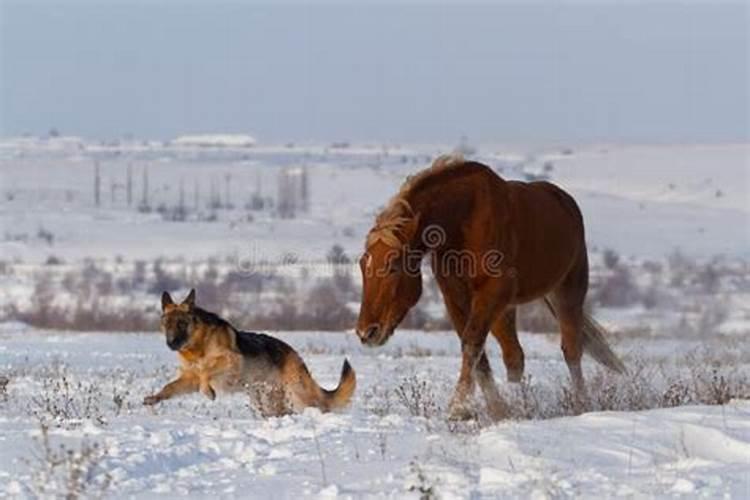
point(209, 393)
point(151, 400)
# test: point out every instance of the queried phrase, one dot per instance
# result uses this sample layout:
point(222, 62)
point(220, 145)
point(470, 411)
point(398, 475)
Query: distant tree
point(145, 205)
point(286, 203)
point(611, 258)
point(196, 195)
point(337, 255)
point(227, 190)
point(129, 185)
point(709, 278)
point(305, 190)
point(180, 212)
point(97, 185)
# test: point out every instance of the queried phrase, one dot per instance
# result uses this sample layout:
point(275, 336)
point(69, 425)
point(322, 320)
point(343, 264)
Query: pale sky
point(510, 72)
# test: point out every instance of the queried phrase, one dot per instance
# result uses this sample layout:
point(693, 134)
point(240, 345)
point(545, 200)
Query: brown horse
point(494, 244)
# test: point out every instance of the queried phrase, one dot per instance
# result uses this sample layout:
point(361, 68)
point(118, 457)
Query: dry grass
point(64, 401)
point(65, 472)
point(647, 386)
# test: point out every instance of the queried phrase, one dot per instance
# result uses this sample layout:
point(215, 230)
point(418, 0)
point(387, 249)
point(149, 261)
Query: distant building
point(215, 141)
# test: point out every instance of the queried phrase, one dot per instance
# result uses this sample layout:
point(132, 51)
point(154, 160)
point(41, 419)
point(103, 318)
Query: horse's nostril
point(368, 333)
point(371, 331)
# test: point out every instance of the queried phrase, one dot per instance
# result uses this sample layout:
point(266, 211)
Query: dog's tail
point(594, 342)
point(341, 395)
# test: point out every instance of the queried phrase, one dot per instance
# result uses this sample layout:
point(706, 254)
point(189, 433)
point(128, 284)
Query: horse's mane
point(391, 220)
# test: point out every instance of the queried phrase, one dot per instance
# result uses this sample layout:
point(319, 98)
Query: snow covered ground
point(85, 390)
point(393, 442)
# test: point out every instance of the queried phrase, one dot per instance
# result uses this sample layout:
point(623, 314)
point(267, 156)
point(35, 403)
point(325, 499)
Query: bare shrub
point(708, 278)
point(527, 400)
point(415, 351)
point(713, 385)
point(165, 280)
point(4, 382)
point(423, 485)
point(535, 317)
point(617, 289)
point(64, 472)
point(677, 393)
point(53, 260)
point(66, 403)
point(610, 258)
point(417, 397)
point(326, 309)
point(378, 401)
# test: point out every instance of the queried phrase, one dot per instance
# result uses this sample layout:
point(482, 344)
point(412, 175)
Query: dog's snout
point(176, 342)
point(368, 333)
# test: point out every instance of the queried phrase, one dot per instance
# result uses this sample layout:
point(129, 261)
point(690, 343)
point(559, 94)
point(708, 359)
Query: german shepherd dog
point(214, 356)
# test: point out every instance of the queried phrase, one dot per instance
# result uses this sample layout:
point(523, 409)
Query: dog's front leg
point(205, 386)
point(186, 383)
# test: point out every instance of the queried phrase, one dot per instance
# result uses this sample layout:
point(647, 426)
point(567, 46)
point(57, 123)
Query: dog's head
point(177, 320)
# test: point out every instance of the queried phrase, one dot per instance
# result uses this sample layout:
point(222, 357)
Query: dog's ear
point(190, 299)
point(166, 300)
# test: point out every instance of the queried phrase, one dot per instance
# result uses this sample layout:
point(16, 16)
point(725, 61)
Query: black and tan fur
point(214, 356)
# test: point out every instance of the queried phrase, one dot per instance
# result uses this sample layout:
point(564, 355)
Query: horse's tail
point(594, 342)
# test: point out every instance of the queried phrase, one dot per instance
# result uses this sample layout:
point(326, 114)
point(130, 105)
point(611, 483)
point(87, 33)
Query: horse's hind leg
point(504, 330)
point(567, 301)
point(571, 324)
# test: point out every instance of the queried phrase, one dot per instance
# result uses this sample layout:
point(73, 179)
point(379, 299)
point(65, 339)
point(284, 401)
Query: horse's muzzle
point(373, 335)
point(368, 334)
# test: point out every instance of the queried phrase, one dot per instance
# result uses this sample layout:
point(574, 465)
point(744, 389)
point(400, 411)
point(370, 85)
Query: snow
point(375, 448)
point(642, 201)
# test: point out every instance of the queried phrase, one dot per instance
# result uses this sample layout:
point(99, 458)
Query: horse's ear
point(166, 300)
point(190, 299)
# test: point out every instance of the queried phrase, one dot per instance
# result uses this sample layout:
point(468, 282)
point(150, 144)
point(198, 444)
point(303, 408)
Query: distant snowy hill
point(638, 200)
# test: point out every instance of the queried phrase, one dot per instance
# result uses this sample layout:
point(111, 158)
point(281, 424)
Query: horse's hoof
point(498, 411)
point(460, 413)
point(515, 376)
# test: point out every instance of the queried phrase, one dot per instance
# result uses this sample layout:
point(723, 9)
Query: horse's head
point(391, 278)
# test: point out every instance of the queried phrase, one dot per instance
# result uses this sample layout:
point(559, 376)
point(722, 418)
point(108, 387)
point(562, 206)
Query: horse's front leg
point(486, 304)
point(460, 407)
